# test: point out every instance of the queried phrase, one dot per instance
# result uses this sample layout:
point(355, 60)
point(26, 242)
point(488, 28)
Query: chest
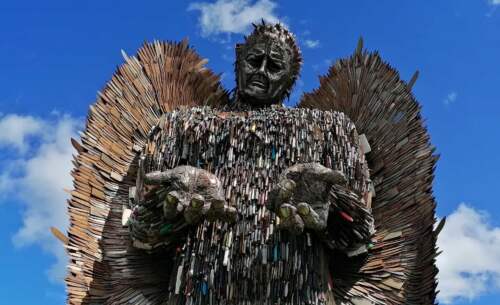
point(253, 148)
point(252, 260)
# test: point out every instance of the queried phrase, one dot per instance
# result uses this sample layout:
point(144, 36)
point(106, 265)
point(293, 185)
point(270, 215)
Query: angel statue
point(188, 194)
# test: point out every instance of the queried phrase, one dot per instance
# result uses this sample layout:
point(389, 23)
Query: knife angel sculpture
point(186, 194)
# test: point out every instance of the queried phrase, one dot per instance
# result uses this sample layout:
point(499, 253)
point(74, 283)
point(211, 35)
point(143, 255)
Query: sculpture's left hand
point(301, 197)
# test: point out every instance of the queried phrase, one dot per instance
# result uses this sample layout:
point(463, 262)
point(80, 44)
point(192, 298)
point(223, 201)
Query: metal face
point(264, 73)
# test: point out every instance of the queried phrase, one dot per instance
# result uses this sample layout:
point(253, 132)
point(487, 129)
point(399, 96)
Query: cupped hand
point(301, 196)
point(193, 192)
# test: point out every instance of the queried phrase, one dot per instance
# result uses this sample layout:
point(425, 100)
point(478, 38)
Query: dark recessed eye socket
point(254, 61)
point(274, 66)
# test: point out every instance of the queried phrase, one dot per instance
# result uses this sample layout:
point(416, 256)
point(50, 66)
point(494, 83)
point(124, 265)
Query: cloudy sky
point(55, 55)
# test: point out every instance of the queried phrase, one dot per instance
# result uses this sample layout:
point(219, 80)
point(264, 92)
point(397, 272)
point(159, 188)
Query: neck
point(237, 103)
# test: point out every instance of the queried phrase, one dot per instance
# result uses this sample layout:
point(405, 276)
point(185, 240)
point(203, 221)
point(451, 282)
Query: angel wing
point(400, 269)
point(162, 76)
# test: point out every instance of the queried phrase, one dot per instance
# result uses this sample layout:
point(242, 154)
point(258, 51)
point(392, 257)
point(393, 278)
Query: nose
point(263, 65)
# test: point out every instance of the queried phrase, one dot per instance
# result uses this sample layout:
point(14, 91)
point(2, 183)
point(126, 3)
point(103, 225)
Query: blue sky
point(55, 55)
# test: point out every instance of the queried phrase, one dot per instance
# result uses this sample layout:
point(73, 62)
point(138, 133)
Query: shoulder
point(193, 113)
point(333, 119)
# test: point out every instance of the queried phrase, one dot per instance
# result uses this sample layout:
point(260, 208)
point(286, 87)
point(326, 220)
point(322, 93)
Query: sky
point(55, 56)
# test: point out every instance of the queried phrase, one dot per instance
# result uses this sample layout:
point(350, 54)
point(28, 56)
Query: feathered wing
point(400, 268)
point(103, 267)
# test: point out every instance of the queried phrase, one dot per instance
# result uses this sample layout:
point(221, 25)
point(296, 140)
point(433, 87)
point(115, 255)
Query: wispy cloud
point(470, 263)
point(450, 98)
point(37, 178)
point(233, 16)
point(494, 2)
point(17, 130)
point(312, 44)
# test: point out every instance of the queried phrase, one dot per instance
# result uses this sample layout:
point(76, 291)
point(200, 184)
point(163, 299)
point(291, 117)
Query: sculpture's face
point(264, 73)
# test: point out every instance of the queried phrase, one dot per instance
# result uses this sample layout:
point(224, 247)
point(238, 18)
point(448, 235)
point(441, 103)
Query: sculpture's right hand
point(193, 192)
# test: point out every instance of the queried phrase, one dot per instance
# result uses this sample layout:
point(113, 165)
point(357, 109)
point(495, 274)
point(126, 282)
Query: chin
point(254, 101)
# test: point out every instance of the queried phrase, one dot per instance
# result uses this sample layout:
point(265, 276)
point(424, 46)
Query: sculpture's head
point(267, 65)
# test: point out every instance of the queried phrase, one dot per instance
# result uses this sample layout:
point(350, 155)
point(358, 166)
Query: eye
point(254, 61)
point(274, 66)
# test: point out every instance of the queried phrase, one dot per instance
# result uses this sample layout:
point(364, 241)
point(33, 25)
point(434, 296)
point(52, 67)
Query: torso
point(251, 262)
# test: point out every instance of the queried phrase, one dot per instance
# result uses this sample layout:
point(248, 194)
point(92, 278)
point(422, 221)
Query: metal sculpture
point(187, 195)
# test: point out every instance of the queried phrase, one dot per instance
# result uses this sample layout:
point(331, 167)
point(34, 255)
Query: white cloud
point(15, 131)
point(312, 44)
point(233, 16)
point(470, 263)
point(451, 97)
point(37, 181)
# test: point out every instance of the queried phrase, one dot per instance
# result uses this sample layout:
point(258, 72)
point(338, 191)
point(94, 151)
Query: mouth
point(259, 83)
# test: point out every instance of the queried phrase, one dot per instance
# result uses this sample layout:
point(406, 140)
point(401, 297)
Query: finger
point(290, 220)
point(312, 219)
point(172, 205)
point(216, 210)
point(194, 211)
point(273, 201)
point(286, 211)
point(157, 177)
point(220, 210)
point(286, 188)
